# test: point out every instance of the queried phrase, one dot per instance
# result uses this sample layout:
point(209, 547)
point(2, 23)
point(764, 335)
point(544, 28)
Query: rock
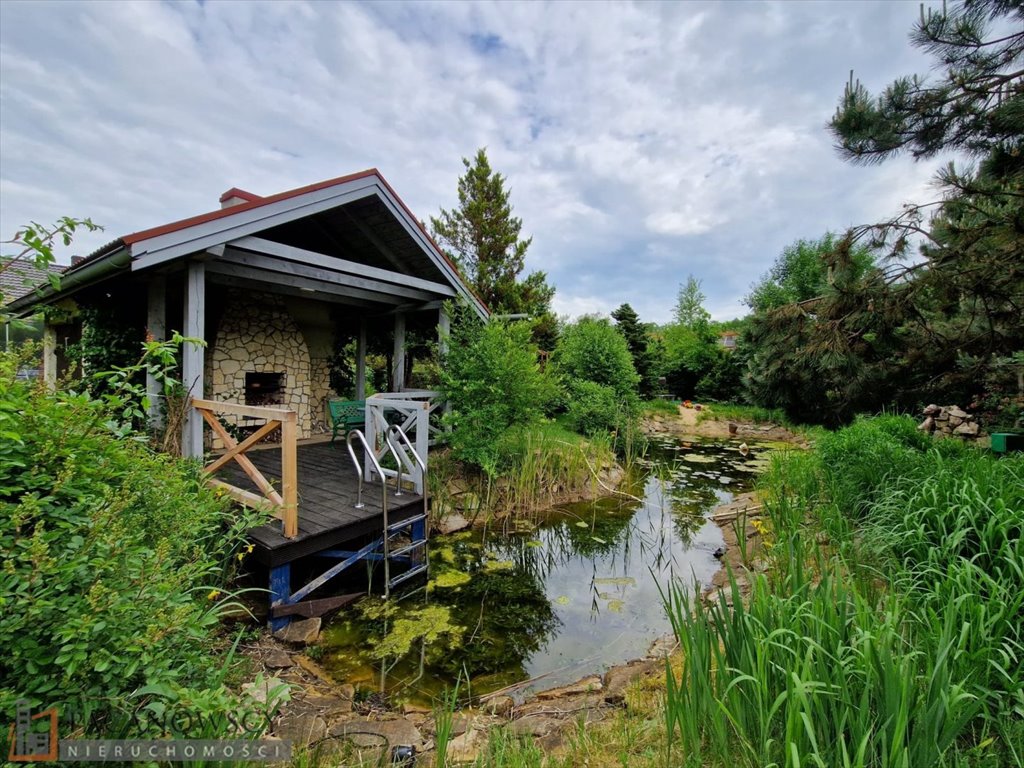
point(932, 410)
point(957, 413)
point(500, 706)
point(347, 691)
point(465, 748)
point(277, 659)
point(329, 706)
point(928, 425)
point(451, 523)
point(733, 428)
point(268, 688)
point(533, 725)
point(304, 632)
point(967, 429)
point(379, 733)
point(301, 728)
point(955, 421)
point(662, 647)
point(586, 685)
point(719, 553)
point(617, 679)
point(414, 709)
point(943, 415)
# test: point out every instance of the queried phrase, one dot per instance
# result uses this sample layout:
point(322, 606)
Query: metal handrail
point(394, 428)
point(383, 491)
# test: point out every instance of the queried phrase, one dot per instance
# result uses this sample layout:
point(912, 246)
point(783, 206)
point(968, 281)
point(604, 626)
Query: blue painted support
point(333, 571)
point(280, 588)
point(340, 554)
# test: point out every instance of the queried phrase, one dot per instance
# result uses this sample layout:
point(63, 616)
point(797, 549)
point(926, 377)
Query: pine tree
point(482, 237)
point(638, 341)
point(962, 305)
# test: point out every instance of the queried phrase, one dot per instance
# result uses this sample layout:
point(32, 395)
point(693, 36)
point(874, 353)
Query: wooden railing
point(283, 504)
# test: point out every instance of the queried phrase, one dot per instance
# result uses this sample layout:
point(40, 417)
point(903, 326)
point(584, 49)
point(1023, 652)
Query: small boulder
point(499, 706)
point(304, 632)
point(957, 413)
point(376, 733)
point(277, 659)
point(586, 685)
point(465, 748)
point(618, 679)
point(928, 425)
point(967, 429)
point(451, 523)
point(301, 728)
point(932, 410)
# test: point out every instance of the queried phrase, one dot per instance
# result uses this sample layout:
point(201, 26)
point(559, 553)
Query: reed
point(894, 639)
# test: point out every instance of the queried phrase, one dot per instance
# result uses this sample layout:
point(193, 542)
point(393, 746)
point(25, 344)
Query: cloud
point(641, 142)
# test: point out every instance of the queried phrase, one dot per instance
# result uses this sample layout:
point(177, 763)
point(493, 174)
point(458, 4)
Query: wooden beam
point(156, 328)
point(361, 360)
point(332, 276)
point(260, 285)
point(238, 409)
point(248, 498)
point(290, 476)
point(370, 235)
point(50, 356)
point(444, 329)
point(354, 268)
point(242, 447)
point(192, 355)
point(304, 283)
point(243, 461)
point(399, 352)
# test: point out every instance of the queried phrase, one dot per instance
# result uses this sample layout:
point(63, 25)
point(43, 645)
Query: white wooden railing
point(410, 410)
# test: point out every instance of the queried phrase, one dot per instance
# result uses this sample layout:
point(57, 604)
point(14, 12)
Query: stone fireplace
point(260, 357)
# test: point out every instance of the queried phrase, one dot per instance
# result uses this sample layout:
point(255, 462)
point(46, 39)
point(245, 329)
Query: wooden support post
point(192, 355)
point(290, 475)
point(156, 328)
point(399, 355)
point(280, 591)
point(361, 361)
point(422, 444)
point(50, 356)
point(444, 329)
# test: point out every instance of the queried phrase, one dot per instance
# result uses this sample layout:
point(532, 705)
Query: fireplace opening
point(264, 389)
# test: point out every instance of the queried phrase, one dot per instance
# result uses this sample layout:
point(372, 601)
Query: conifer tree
point(638, 341)
point(483, 238)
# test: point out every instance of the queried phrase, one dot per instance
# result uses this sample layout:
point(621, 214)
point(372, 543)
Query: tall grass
point(896, 643)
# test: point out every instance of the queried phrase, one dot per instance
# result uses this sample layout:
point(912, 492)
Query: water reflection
point(577, 594)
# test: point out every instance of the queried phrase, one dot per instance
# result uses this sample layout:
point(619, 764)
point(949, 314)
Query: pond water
point(574, 594)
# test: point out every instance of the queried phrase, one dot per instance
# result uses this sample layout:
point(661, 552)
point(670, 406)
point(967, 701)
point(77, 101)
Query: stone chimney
point(236, 196)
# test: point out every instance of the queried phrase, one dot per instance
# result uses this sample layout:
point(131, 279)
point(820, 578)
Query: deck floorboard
point(327, 498)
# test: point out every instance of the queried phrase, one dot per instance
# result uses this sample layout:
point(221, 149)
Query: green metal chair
point(346, 415)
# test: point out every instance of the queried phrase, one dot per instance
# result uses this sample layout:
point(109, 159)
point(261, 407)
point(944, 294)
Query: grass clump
point(897, 644)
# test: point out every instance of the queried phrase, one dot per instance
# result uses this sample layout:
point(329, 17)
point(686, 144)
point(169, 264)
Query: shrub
point(592, 350)
point(112, 557)
point(493, 383)
point(594, 408)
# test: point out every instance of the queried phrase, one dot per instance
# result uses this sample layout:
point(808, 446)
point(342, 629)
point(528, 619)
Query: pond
point(576, 593)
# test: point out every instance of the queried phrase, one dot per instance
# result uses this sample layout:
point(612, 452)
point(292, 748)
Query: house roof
point(366, 193)
point(22, 277)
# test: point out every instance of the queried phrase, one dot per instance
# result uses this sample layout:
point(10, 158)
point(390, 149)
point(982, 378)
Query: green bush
point(593, 350)
point(594, 408)
point(493, 383)
point(113, 556)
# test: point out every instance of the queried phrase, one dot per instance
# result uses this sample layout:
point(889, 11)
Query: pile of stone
point(946, 420)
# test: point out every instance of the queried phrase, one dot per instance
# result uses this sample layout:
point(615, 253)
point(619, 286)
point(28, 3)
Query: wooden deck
point(327, 498)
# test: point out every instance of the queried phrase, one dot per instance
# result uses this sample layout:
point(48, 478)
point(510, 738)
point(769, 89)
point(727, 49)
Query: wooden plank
point(248, 498)
point(238, 409)
point(399, 352)
point(286, 290)
point(262, 245)
point(319, 607)
point(243, 446)
point(290, 476)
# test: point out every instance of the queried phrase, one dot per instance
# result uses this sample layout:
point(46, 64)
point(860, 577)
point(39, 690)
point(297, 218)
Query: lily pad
point(699, 458)
point(620, 581)
point(562, 600)
point(582, 524)
point(535, 543)
point(616, 606)
point(493, 566)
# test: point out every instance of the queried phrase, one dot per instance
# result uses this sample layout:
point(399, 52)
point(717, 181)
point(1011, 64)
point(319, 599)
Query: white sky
point(641, 143)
